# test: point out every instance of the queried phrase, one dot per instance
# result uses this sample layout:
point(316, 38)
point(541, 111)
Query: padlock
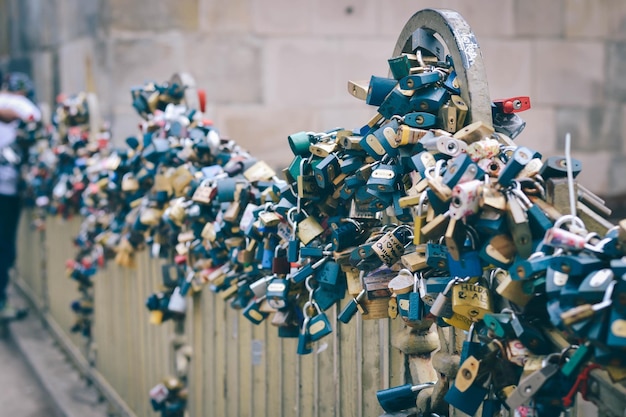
point(418, 81)
point(454, 238)
point(471, 300)
point(511, 289)
point(442, 306)
point(326, 171)
point(304, 340)
point(383, 178)
point(504, 325)
point(419, 120)
point(396, 103)
point(390, 247)
point(277, 293)
point(429, 99)
point(499, 251)
point(490, 221)
point(308, 229)
point(468, 373)
point(528, 386)
point(323, 148)
point(461, 169)
point(306, 183)
point(450, 146)
point(474, 132)
point(399, 66)
point(253, 311)
point(465, 199)
point(468, 401)
point(577, 266)
point(352, 307)
point(319, 325)
point(280, 263)
point(470, 346)
point(328, 274)
point(468, 265)
point(381, 141)
point(519, 159)
point(379, 88)
point(400, 398)
point(519, 228)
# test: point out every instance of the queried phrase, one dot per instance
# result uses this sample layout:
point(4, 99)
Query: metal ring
point(464, 51)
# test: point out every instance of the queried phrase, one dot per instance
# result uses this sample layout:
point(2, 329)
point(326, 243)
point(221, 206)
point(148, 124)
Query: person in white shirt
point(15, 107)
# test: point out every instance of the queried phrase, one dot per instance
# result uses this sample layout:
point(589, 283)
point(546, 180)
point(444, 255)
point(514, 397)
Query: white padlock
point(465, 198)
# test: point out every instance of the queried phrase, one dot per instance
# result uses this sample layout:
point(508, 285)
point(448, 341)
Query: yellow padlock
point(471, 300)
point(309, 229)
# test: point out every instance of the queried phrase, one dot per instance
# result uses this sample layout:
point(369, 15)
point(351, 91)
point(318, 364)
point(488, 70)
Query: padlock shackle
point(464, 50)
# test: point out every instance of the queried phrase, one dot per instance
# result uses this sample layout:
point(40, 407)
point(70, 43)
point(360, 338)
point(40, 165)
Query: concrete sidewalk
point(59, 391)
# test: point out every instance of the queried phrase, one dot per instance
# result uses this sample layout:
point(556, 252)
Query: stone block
point(74, 58)
point(597, 128)
point(615, 18)
point(508, 66)
point(225, 16)
point(263, 131)
point(595, 171)
point(299, 72)
point(344, 17)
point(156, 15)
point(540, 131)
point(359, 60)
point(43, 76)
point(587, 18)
point(559, 77)
point(478, 14)
point(345, 116)
point(124, 121)
point(617, 173)
point(615, 69)
point(74, 18)
point(229, 68)
point(135, 60)
point(284, 17)
point(539, 18)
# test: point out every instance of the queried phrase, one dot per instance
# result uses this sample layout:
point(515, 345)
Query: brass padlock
point(129, 182)
point(308, 229)
point(472, 300)
point(474, 132)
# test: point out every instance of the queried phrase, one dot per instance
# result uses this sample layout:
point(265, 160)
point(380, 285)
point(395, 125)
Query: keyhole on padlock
point(466, 374)
point(494, 167)
point(409, 84)
point(424, 105)
point(456, 201)
point(451, 147)
point(473, 313)
point(565, 268)
point(517, 104)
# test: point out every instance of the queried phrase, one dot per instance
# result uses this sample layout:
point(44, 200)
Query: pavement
point(37, 379)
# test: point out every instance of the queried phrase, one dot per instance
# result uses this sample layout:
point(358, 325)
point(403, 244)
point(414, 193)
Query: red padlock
point(513, 104)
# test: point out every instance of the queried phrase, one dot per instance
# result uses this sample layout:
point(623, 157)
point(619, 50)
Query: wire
point(570, 174)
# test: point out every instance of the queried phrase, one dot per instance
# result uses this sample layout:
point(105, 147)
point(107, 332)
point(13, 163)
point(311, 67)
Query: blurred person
point(16, 107)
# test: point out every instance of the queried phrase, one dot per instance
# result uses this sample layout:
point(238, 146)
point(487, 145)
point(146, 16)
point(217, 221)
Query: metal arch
point(464, 51)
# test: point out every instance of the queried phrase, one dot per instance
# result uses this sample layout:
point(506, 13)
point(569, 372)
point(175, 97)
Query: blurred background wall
point(274, 67)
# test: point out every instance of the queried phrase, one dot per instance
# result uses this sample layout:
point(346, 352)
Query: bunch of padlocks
point(416, 214)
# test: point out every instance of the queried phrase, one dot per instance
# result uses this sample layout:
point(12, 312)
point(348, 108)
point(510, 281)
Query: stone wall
point(273, 67)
